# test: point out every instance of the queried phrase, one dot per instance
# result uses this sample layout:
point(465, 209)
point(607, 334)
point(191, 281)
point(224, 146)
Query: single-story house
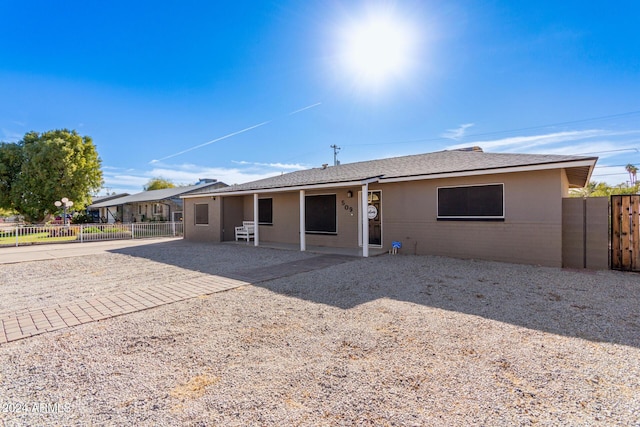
point(96, 213)
point(460, 203)
point(153, 205)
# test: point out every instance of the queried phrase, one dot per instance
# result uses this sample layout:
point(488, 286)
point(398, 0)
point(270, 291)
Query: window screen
point(202, 214)
point(320, 214)
point(471, 202)
point(265, 211)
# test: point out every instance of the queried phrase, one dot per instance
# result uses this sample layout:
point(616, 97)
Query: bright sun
point(377, 49)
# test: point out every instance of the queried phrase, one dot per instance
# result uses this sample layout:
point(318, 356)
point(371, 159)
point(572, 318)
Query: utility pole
point(336, 162)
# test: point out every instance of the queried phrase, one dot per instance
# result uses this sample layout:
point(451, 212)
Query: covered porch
point(323, 218)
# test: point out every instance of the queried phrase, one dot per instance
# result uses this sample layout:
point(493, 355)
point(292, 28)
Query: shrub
point(81, 218)
point(89, 230)
point(62, 232)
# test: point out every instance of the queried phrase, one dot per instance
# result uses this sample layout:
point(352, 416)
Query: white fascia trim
point(285, 189)
point(588, 180)
point(529, 168)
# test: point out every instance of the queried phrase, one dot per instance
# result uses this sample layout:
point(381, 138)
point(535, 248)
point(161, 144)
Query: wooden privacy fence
point(625, 232)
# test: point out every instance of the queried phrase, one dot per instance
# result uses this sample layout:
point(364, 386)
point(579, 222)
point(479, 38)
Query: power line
point(571, 122)
point(610, 166)
point(610, 151)
point(609, 174)
point(611, 116)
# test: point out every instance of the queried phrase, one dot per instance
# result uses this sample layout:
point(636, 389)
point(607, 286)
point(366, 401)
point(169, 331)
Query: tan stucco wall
point(203, 233)
point(565, 183)
point(598, 233)
point(346, 221)
point(585, 244)
point(531, 232)
point(286, 219)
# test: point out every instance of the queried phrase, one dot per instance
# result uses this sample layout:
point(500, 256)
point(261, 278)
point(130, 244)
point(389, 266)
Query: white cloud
point(289, 166)
point(132, 181)
point(520, 143)
point(11, 136)
point(457, 133)
point(529, 144)
point(120, 181)
point(602, 148)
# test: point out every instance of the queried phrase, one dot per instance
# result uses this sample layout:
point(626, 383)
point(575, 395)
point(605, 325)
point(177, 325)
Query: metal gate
point(625, 232)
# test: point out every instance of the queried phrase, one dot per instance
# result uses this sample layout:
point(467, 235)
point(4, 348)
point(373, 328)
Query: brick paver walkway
point(35, 322)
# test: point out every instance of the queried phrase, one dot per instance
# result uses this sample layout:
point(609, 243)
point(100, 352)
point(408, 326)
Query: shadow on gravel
point(597, 306)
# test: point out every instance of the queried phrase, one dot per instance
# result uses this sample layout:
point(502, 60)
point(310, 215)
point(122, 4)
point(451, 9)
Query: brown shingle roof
point(157, 195)
point(430, 164)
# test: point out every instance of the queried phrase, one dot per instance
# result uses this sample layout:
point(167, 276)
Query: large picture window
point(473, 202)
point(320, 214)
point(265, 211)
point(202, 214)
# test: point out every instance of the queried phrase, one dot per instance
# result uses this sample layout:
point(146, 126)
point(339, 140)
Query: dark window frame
point(265, 213)
point(462, 203)
point(313, 203)
point(197, 216)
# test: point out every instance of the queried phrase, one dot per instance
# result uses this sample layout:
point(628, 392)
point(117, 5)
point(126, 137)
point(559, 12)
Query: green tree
point(11, 160)
point(43, 168)
point(602, 189)
point(158, 184)
point(632, 170)
point(5, 213)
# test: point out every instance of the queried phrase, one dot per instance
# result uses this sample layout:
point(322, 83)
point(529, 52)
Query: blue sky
point(153, 83)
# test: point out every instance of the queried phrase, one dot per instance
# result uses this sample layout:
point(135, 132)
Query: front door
point(374, 214)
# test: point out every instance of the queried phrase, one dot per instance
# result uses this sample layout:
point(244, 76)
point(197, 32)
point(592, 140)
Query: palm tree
point(632, 173)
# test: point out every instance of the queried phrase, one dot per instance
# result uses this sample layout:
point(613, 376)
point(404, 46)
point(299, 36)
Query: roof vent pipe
point(474, 148)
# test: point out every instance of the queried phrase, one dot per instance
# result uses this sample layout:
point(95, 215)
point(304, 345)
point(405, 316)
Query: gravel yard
point(388, 340)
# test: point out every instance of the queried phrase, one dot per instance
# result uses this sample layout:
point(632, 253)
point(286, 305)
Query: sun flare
point(378, 48)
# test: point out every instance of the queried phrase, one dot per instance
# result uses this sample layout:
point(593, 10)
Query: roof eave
point(590, 162)
point(309, 187)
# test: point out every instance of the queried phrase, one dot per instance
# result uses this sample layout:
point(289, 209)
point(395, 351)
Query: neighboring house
point(154, 205)
point(460, 203)
point(97, 213)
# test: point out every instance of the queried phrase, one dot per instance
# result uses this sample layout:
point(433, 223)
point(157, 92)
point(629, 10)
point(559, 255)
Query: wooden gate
point(625, 232)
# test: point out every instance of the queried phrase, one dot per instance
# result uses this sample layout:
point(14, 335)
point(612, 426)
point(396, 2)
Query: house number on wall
point(347, 207)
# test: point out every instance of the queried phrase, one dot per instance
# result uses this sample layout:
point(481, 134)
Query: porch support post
point(256, 227)
point(365, 220)
point(303, 237)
